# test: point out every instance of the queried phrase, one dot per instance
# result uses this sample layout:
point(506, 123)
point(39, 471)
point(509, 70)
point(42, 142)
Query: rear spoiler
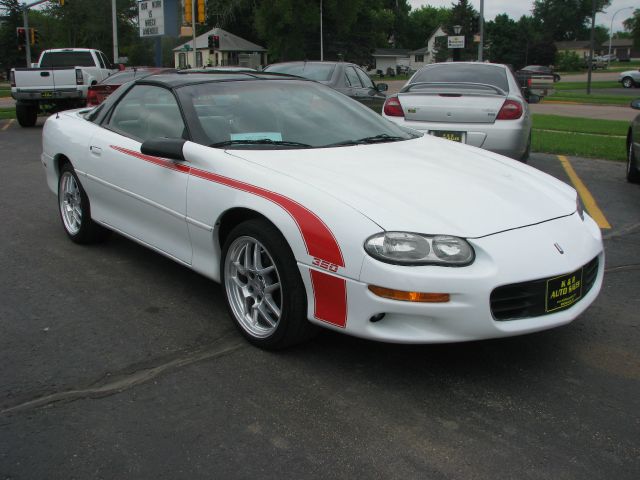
point(435, 85)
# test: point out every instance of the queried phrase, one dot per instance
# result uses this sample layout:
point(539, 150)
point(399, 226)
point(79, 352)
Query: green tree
point(422, 23)
point(632, 25)
point(504, 37)
point(464, 15)
point(566, 19)
point(10, 56)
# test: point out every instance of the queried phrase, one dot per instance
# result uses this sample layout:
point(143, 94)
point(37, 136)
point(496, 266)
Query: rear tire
point(263, 288)
point(27, 114)
point(627, 82)
point(633, 172)
point(75, 210)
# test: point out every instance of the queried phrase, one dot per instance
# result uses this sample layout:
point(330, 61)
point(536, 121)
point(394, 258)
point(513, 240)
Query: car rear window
point(312, 71)
point(67, 59)
point(466, 73)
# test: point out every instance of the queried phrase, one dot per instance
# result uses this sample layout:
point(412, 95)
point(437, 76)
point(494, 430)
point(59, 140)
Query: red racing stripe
point(330, 292)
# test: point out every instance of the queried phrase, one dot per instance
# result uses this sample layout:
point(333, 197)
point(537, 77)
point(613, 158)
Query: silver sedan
point(479, 104)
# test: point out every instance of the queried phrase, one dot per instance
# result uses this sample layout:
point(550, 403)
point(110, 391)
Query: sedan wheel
point(627, 82)
point(263, 288)
point(74, 208)
point(633, 173)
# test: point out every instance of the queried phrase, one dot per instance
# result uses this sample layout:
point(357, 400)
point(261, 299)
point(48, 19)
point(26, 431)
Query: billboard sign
point(455, 41)
point(151, 18)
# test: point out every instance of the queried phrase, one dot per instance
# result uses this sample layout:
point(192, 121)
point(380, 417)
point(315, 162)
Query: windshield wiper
point(383, 137)
point(262, 141)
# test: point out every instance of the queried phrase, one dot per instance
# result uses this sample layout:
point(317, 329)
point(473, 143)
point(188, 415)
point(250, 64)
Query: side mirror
point(382, 87)
point(164, 147)
point(635, 104)
point(533, 98)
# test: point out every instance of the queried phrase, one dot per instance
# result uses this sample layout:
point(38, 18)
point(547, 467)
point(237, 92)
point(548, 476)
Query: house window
point(419, 58)
point(182, 60)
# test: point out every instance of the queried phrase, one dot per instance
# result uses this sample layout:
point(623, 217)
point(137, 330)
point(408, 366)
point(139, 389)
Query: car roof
point(180, 79)
point(313, 62)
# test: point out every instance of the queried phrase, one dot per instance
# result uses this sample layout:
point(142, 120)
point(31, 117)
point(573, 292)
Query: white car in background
point(312, 210)
point(630, 78)
point(479, 104)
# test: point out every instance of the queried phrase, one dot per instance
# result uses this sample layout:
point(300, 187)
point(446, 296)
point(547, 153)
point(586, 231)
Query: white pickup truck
point(59, 81)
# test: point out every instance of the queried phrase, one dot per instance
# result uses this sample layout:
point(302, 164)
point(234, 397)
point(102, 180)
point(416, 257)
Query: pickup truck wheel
point(627, 82)
point(26, 114)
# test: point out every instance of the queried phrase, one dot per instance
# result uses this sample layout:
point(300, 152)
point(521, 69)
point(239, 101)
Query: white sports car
point(311, 209)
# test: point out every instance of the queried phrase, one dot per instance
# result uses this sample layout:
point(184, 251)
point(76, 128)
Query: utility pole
point(592, 43)
point(321, 37)
point(193, 25)
point(114, 29)
point(481, 44)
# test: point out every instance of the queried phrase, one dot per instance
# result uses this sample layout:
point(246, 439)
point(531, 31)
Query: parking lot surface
point(118, 363)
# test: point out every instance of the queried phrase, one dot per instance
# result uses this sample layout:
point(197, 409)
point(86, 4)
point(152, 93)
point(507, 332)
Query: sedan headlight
point(404, 248)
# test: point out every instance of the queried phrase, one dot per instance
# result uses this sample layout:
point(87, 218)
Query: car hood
point(426, 185)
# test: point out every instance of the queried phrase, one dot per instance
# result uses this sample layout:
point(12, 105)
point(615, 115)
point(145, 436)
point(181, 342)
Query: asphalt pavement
point(118, 363)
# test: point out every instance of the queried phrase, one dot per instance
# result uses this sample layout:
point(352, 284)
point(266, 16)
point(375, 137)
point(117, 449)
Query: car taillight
point(79, 78)
point(92, 98)
point(529, 82)
point(393, 107)
point(511, 110)
point(13, 78)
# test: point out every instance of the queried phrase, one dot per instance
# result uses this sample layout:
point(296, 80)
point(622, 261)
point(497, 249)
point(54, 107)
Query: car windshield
point(464, 72)
point(261, 114)
point(320, 72)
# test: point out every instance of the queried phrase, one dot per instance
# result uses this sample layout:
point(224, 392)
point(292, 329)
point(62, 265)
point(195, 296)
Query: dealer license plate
point(563, 291)
point(46, 94)
point(453, 136)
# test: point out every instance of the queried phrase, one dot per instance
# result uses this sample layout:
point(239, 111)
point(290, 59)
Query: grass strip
point(579, 145)
point(589, 99)
point(581, 125)
point(6, 113)
point(583, 85)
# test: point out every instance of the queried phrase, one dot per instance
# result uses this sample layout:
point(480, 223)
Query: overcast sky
point(516, 8)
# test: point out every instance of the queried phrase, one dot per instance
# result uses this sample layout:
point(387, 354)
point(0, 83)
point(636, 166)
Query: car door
point(354, 86)
point(142, 196)
point(371, 97)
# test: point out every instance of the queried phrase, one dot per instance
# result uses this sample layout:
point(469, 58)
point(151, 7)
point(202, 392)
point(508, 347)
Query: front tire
point(75, 210)
point(633, 173)
point(627, 82)
point(26, 114)
point(264, 291)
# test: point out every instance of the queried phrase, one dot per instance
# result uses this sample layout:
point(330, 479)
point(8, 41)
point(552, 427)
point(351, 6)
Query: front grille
point(528, 299)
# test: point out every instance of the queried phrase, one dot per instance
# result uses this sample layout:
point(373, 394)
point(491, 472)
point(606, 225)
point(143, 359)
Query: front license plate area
point(449, 135)
point(563, 291)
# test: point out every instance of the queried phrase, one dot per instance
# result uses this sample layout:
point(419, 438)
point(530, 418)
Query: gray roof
point(573, 44)
point(621, 42)
point(228, 42)
point(419, 51)
point(391, 52)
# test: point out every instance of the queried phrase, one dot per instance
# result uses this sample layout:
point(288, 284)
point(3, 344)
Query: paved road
point(154, 381)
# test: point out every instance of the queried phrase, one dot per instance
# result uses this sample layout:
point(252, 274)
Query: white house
point(232, 51)
point(391, 58)
point(426, 55)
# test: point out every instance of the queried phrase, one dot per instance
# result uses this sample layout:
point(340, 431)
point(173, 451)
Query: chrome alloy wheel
point(253, 287)
point(70, 201)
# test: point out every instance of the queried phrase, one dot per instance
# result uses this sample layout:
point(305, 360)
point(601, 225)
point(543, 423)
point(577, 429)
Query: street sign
point(455, 41)
point(151, 18)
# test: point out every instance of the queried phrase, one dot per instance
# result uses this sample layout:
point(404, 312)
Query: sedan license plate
point(453, 136)
point(46, 94)
point(563, 291)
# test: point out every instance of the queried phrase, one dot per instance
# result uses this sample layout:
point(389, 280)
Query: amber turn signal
point(420, 297)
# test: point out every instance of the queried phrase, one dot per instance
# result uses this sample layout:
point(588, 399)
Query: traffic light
point(62, 2)
point(202, 11)
point(216, 41)
point(187, 12)
point(22, 38)
point(210, 42)
point(34, 36)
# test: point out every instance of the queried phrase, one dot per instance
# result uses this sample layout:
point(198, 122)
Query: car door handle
point(95, 150)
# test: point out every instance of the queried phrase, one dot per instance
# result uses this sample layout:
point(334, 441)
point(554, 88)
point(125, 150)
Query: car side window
point(364, 78)
point(352, 77)
point(146, 112)
point(100, 61)
point(104, 59)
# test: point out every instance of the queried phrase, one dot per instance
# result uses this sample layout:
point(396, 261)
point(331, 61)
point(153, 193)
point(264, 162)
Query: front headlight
point(404, 248)
point(580, 207)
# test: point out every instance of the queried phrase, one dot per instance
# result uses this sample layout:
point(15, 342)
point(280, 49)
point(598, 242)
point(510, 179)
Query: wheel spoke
point(240, 268)
point(272, 323)
point(247, 256)
point(271, 288)
point(257, 261)
point(268, 300)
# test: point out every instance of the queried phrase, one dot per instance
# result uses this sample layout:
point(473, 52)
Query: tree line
point(290, 29)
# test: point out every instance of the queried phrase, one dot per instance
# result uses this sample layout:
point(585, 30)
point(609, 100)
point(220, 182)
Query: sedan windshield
point(268, 114)
point(320, 72)
point(464, 72)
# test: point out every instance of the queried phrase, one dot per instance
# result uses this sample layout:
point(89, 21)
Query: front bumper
point(501, 259)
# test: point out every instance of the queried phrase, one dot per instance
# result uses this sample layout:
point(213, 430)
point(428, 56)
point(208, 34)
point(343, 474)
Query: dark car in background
point(633, 146)
point(542, 69)
point(99, 92)
point(347, 78)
